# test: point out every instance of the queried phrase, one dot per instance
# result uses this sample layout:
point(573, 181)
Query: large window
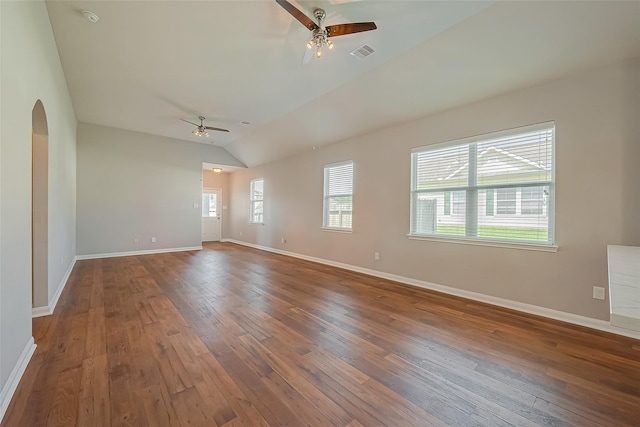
point(492, 187)
point(257, 201)
point(338, 196)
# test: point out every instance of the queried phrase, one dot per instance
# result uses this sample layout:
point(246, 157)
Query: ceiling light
point(200, 131)
point(319, 36)
point(90, 16)
point(217, 170)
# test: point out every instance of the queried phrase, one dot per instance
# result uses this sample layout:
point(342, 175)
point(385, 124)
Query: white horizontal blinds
point(522, 158)
point(257, 201)
point(445, 167)
point(497, 187)
point(338, 195)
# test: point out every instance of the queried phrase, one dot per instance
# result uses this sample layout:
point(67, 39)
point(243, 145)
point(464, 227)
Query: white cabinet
point(624, 286)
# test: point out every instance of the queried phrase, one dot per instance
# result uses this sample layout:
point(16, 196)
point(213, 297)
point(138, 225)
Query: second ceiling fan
point(320, 35)
point(201, 129)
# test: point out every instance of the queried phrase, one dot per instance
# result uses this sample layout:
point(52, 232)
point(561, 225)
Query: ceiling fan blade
point(308, 54)
point(195, 124)
point(212, 128)
point(300, 16)
point(344, 29)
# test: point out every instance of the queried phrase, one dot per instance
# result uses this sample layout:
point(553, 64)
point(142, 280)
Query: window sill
point(256, 223)
point(337, 230)
point(490, 243)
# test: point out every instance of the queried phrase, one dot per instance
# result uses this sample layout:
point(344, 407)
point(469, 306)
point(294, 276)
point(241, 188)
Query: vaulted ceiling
point(147, 64)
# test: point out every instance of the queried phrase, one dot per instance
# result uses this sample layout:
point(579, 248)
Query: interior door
point(211, 214)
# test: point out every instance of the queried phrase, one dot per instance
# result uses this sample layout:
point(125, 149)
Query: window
point(338, 196)
point(498, 186)
point(532, 201)
point(257, 201)
point(506, 201)
point(209, 205)
point(459, 202)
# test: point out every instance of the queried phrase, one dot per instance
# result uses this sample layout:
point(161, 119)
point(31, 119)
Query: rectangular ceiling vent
point(363, 51)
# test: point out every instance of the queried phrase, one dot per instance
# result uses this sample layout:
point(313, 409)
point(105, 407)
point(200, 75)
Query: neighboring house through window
point(338, 196)
point(498, 186)
point(256, 201)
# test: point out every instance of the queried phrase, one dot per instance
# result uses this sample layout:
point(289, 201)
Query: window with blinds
point(256, 201)
point(498, 186)
point(338, 196)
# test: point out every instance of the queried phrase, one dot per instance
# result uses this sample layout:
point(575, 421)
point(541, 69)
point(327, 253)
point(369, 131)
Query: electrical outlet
point(598, 293)
point(195, 205)
point(283, 240)
point(136, 240)
point(153, 240)
point(376, 256)
point(241, 234)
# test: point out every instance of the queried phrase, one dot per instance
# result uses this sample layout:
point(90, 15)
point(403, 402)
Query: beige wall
point(40, 219)
point(133, 185)
point(31, 70)
point(596, 195)
point(210, 179)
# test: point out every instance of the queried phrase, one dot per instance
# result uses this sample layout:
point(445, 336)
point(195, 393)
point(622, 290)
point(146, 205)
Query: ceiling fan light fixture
point(319, 33)
point(202, 130)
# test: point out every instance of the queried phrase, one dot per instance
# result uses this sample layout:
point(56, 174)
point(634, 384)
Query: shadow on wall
point(39, 206)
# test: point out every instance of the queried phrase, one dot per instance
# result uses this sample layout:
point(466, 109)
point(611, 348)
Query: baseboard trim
point(14, 378)
point(48, 309)
point(562, 316)
point(626, 322)
point(134, 253)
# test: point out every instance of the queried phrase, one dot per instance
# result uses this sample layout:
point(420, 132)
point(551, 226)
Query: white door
point(211, 213)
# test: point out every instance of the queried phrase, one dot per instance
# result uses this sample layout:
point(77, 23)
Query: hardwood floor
point(231, 336)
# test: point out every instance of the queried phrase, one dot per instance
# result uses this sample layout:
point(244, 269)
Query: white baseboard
point(134, 253)
point(48, 309)
point(14, 378)
point(625, 322)
point(575, 319)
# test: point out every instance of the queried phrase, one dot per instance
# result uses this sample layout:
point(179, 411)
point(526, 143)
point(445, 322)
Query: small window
point(532, 200)
point(209, 205)
point(459, 202)
point(506, 201)
point(256, 201)
point(338, 196)
point(497, 187)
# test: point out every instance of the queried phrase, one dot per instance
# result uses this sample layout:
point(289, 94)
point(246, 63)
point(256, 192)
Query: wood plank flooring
point(231, 336)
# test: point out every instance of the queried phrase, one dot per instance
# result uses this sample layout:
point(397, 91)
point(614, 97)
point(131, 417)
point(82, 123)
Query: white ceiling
point(147, 64)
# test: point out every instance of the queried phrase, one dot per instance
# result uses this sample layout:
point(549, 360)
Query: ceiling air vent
point(363, 51)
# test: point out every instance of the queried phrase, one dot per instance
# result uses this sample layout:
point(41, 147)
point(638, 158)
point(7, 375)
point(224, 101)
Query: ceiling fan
point(320, 35)
point(201, 129)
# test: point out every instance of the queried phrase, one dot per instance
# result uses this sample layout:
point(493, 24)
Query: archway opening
point(39, 207)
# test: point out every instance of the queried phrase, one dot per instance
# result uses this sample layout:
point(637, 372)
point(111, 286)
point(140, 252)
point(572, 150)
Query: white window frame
point(327, 197)
point(472, 190)
point(253, 201)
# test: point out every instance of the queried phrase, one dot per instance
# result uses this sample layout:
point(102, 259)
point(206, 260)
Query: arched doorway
point(40, 206)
